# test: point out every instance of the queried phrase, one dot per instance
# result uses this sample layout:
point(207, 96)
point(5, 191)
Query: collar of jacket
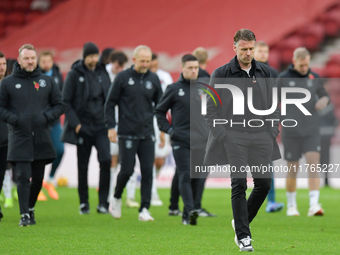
point(292, 70)
point(183, 80)
point(135, 73)
point(21, 73)
point(79, 65)
point(235, 66)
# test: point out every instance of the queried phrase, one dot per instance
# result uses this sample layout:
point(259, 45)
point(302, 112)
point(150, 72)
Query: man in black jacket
point(247, 138)
point(84, 93)
point(3, 132)
point(29, 101)
point(48, 67)
point(177, 97)
point(136, 91)
point(305, 137)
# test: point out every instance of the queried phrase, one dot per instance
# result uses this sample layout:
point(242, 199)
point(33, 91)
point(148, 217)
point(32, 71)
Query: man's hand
point(112, 134)
point(321, 103)
point(77, 128)
point(162, 139)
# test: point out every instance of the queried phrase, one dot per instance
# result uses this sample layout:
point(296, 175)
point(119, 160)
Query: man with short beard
point(29, 102)
point(136, 91)
point(85, 89)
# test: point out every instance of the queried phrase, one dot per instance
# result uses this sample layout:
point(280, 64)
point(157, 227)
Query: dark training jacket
point(76, 95)
point(136, 96)
point(187, 127)
point(29, 102)
point(307, 125)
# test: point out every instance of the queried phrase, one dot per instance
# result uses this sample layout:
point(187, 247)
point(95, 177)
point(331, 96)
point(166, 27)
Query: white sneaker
point(145, 215)
point(156, 202)
point(245, 244)
point(115, 208)
point(292, 211)
point(315, 210)
point(132, 203)
point(235, 239)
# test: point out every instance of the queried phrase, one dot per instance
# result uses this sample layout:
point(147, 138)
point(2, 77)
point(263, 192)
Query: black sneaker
point(1, 215)
point(32, 218)
point(175, 212)
point(193, 217)
point(245, 244)
point(205, 213)
point(84, 208)
point(102, 209)
point(24, 221)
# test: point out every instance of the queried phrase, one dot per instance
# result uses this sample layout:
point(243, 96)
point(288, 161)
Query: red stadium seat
point(22, 5)
point(16, 19)
point(2, 32)
point(287, 47)
point(331, 22)
point(3, 19)
point(6, 5)
point(333, 60)
point(33, 15)
point(312, 35)
point(333, 71)
point(274, 59)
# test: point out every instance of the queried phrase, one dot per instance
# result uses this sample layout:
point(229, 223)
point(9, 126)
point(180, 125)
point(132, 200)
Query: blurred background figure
point(261, 54)
point(48, 67)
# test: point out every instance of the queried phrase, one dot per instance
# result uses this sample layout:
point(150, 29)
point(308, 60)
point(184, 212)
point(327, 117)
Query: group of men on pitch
point(93, 94)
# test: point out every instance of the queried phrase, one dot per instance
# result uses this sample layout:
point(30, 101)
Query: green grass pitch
point(61, 230)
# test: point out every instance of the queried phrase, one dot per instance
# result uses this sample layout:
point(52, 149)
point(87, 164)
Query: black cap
point(90, 48)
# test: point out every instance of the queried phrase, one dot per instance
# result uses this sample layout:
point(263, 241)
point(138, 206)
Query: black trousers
point(3, 164)
point(187, 187)
point(101, 142)
point(197, 158)
point(30, 176)
point(145, 149)
point(251, 149)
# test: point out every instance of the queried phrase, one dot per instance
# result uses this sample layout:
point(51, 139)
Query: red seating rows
point(16, 13)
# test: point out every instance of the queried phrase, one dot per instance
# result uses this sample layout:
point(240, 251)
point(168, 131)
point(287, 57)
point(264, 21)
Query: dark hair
point(188, 57)
point(10, 64)
point(118, 56)
point(2, 55)
point(245, 35)
point(154, 56)
point(105, 57)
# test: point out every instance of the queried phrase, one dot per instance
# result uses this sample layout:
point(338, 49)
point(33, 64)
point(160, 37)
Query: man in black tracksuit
point(177, 97)
point(136, 91)
point(29, 101)
point(84, 93)
point(243, 144)
point(3, 132)
point(304, 138)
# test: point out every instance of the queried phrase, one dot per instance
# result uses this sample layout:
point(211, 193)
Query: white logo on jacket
point(42, 83)
point(81, 79)
point(128, 144)
point(18, 86)
point(148, 84)
point(56, 79)
point(131, 81)
point(181, 92)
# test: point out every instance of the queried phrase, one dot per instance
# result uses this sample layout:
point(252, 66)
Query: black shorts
point(294, 147)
